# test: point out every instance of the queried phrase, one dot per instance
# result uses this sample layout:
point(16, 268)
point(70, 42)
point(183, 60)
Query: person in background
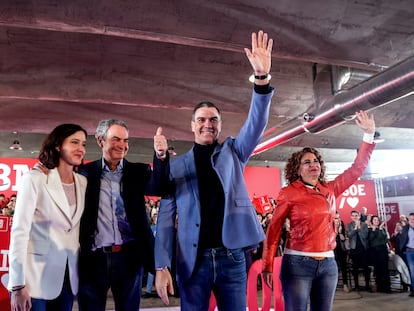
point(407, 246)
point(3, 201)
point(309, 269)
point(364, 215)
point(395, 239)
point(404, 220)
point(357, 232)
point(8, 210)
point(44, 242)
point(216, 218)
point(150, 276)
point(116, 239)
point(341, 251)
point(378, 250)
point(401, 265)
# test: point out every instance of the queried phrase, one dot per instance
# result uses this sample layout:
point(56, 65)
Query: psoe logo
point(4, 255)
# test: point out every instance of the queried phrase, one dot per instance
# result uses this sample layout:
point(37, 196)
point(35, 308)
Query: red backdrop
point(11, 170)
point(262, 181)
point(5, 224)
point(360, 194)
point(392, 212)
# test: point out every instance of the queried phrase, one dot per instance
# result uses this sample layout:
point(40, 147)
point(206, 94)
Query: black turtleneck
point(211, 198)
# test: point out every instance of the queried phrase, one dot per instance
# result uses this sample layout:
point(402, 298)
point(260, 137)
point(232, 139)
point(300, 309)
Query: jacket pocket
point(38, 247)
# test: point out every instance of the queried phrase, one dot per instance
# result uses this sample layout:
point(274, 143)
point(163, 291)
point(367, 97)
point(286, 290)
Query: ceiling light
point(16, 145)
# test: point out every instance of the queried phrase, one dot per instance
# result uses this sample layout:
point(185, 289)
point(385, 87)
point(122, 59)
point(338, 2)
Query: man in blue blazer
point(115, 237)
point(208, 215)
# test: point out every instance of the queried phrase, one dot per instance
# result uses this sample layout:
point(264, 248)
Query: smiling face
point(411, 220)
point(310, 168)
point(375, 221)
point(115, 145)
point(355, 217)
point(206, 125)
point(73, 149)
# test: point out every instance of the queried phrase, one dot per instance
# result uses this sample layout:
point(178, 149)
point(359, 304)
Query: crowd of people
point(366, 246)
point(7, 204)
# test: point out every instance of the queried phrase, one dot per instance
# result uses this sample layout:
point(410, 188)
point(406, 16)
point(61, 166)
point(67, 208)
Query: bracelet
point(261, 77)
point(162, 269)
point(253, 77)
point(17, 288)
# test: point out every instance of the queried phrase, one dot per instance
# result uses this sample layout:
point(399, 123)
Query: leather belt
point(111, 249)
point(318, 258)
point(410, 248)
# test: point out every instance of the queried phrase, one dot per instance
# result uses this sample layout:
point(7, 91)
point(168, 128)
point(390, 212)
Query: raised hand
point(365, 122)
point(160, 144)
point(260, 56)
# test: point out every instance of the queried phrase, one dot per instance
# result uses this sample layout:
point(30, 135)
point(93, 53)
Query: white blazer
point(44, 235)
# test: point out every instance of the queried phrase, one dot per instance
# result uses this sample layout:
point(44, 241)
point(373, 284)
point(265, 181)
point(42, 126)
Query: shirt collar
point(105, 167)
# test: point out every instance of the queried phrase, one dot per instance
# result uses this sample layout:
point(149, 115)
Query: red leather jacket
point(311, 212)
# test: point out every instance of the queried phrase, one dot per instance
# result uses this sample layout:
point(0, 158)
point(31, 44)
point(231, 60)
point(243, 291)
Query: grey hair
point(104, 125)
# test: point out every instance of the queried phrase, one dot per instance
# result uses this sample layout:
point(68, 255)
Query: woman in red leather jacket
point(309, 270)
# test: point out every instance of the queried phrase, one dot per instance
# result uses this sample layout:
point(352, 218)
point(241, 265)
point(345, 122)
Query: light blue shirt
point(410, 243)
point(112, 227)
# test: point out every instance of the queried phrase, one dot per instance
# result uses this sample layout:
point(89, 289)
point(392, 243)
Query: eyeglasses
point(308, 162)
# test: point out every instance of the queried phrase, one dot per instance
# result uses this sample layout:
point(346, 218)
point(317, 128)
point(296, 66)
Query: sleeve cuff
point(263, 89)
point(368, 138)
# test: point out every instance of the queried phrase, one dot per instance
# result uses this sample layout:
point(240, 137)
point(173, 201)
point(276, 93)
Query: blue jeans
point(150, 282)
point(63, 302)
point(303, 278)
point(410, 261)
point(222, 271)
point(99, 271)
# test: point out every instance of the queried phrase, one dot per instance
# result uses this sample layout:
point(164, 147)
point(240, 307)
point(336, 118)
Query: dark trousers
point(379, 257)
point(360, 261)
point(99, 271)
point(63, 302)
point(341, 257)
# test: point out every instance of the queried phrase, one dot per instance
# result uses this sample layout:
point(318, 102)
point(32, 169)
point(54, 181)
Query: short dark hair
point(49, 155)
point(204, 104)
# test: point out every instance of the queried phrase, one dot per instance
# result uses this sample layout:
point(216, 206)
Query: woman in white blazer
point(44, 242)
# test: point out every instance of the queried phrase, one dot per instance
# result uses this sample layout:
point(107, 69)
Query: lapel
point(189, 163)
point(54, 188)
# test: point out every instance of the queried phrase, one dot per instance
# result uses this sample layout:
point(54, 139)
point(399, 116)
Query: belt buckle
point(116, 248)
point(112, 249)
point(318, 258)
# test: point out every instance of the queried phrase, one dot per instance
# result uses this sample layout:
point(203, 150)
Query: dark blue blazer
point(138, 179)
point(403, 240)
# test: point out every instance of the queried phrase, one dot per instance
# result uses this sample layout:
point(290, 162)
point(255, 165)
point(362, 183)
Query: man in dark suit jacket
point(406, 246)
point(116, 240)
